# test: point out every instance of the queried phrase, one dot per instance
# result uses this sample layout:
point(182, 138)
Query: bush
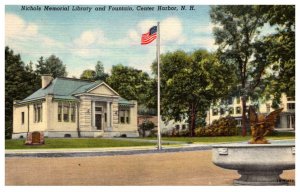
point(175, 132)
point(146, 126)
point(225, 126)
point(281, 133)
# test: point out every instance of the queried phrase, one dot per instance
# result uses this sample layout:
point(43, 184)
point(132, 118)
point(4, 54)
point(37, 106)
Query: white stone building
point(66, 107)
point(286, 121)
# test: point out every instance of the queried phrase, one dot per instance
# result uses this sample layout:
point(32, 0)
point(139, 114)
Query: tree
point(99, 72)
point(281, 50)
point(190, 83)
point(146, 126)
point(52, 65)
point(237, 34)
point(88, 74)
point(20, 81)
point(130, 83)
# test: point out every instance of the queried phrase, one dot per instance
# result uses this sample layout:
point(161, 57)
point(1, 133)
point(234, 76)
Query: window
point(239, 122)
point(38, 112)
point(231, 110)
point(59, 113)
point(215, 112)
point(177, 127)
point(291, 105)
point(98, 109)
point(73, 112)
point(291, 98)
point(238, 110)
point(183, 127)
point(124, 115)
point(66, 108)
point(268, 107)
point(238, 100)
point(23, 117)
point(229, 101)
point(222, 111)
point(66, 112)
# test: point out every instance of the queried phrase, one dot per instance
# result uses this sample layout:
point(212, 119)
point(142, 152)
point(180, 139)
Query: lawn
point(75, 143)
point(223, 139)
point(52, 143)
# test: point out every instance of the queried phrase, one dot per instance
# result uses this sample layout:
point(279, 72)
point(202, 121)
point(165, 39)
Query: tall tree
point(130, 83)
point(52, 65)
point(189, 83)
point(238, 36)
point(88, 74)
point(99, 72)
point(19, 83)
point(281, 50)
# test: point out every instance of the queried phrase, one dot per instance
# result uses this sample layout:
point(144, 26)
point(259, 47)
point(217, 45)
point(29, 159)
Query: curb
point(101, 152)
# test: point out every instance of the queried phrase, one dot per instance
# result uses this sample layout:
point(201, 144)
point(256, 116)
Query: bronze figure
point(261, 125)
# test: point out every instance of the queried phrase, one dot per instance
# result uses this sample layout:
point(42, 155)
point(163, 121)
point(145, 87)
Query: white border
point(125, 189)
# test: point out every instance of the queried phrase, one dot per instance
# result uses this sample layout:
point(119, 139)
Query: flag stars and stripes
point(150, 36)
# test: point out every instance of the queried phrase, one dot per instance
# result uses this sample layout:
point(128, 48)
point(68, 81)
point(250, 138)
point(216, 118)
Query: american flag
point(150, 36)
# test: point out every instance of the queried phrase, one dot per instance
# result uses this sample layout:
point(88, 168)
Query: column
point(92, 112)
point(108, 114)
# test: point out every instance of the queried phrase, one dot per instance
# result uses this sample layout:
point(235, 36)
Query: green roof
point(87, 87)
point(60, 88)
point(65, 89)
point(123, 101)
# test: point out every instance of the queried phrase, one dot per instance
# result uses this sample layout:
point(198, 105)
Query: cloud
point(90, 37)
point(206, 29)
point(24, 37)
point(170, 31)
point(93, 43)
point(16, 27)
point(205, 42)
point(143, 62)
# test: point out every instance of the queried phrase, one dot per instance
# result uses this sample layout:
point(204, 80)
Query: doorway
point(98, 121)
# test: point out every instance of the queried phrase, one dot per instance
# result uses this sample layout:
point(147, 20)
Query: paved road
point(174, 168)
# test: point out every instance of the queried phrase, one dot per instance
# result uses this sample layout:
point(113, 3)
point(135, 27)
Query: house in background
point(167, 127)
point(67, 107)
point(285, 122)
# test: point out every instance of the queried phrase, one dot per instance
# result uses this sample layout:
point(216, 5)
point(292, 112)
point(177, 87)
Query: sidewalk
point(86, 152)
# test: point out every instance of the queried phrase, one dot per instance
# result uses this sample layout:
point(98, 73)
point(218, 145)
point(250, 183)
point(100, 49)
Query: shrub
point(67, 135)
point(146, 126)
point(225, 126)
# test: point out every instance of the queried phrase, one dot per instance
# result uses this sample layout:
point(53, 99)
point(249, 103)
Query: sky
point(81, 38)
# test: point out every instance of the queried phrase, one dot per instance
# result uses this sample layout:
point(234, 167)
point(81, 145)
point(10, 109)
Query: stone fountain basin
point(258, 164)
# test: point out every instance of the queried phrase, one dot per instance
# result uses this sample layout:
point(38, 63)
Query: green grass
point(219, 139)
point(51, 143)
point(222, 139)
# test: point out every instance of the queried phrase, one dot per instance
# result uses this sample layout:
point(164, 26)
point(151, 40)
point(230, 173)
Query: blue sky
point(81, 38)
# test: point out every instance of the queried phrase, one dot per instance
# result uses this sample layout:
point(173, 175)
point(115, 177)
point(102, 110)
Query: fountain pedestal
point(258, 164)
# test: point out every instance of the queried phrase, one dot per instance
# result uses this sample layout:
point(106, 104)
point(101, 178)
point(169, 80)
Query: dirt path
point(180, 168)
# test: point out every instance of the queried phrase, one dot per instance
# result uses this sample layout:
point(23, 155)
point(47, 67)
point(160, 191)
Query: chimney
point(46, 79)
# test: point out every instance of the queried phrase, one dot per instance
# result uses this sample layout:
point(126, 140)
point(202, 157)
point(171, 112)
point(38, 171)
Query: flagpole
point(159, 147)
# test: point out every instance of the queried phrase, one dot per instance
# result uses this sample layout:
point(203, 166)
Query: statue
point(261, 125)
